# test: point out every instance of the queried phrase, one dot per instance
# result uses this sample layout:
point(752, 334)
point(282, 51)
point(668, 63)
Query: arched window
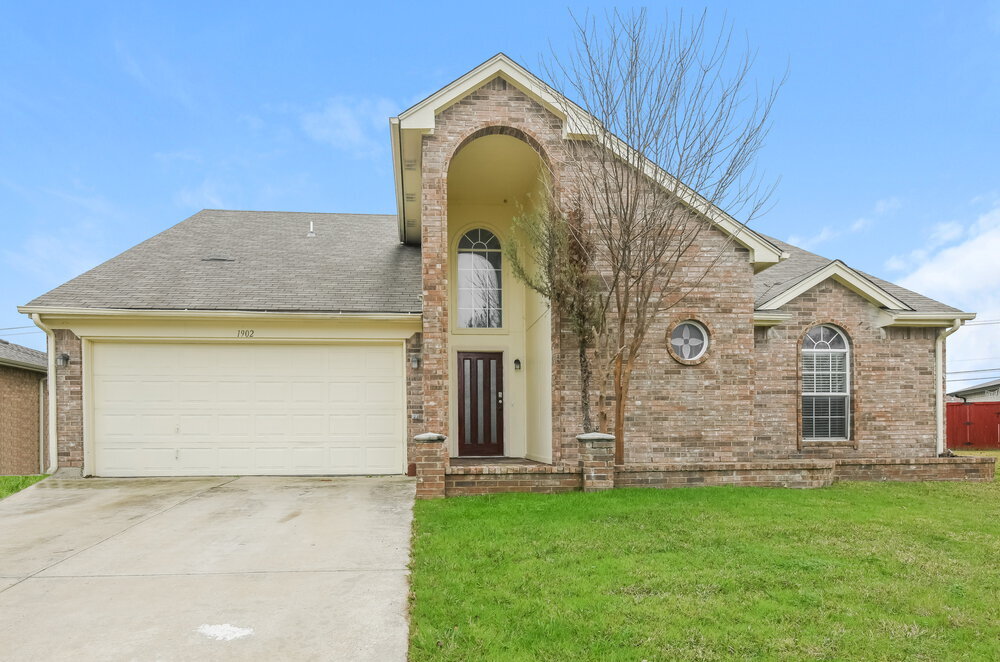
point(480, 291)
point(826, 384)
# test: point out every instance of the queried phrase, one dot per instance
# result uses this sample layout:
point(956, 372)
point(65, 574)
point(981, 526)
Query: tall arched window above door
point(826, 384)
point(480, 287)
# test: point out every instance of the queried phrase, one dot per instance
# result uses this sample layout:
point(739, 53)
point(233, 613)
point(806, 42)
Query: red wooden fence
point(973, 425)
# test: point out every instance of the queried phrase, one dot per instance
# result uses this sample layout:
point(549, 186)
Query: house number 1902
point(244, 333)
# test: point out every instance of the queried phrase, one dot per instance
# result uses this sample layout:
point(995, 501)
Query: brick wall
point(540, 479)
point(800, 474)
point(414, 397)
point(19, 420)
point(892, 375)
point(977, 469)
point(69, 400)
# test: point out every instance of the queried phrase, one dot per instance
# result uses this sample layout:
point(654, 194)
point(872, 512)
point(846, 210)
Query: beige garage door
point(234, 409)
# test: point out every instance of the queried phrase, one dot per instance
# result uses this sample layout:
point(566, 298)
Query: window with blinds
point(826, 384)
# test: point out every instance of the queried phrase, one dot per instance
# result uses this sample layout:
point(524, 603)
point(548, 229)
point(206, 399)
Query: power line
point(13, 328)
point(22, 333)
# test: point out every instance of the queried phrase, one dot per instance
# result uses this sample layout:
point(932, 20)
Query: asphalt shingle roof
point(11, 353)
point(264, 261)
point(974, 389)
point(774, 280)
point(257, 261)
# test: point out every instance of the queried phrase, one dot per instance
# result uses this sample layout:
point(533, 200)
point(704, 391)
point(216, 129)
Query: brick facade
point(892, 370)
point(68, 392)
point(21, 418)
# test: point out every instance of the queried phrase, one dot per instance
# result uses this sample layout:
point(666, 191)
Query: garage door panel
point(245, 408)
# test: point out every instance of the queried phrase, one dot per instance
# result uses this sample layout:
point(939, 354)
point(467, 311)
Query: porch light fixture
point(62, 360)
point(414, 362)
point(517, 364)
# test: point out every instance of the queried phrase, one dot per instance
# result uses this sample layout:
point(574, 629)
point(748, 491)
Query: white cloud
point(965, 275)
point(887, 206)
point(156, 75)
point(824, 235)
point(205, 195)
point(356, 126)
point(860, 224)
point(940, 235)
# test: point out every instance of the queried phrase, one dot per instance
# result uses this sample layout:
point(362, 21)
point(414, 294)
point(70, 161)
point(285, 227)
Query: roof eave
point(33, 367)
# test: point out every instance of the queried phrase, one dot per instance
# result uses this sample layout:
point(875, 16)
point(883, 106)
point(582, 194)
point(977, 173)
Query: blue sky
point(118, 120)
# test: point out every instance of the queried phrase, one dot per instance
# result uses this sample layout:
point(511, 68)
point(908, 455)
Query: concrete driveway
point(206, 569)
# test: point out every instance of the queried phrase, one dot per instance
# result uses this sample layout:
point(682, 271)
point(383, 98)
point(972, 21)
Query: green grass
point(991, 453)
point(11, 484)
point(857, 571)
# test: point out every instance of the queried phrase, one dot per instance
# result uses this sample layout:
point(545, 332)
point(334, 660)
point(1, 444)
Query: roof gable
point(846, 276)
point(577, 123)
point(423, 115)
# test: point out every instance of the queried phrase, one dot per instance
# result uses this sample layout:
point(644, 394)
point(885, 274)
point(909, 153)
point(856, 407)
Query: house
point(290, 343)
point(983, 392)
point(23, 374)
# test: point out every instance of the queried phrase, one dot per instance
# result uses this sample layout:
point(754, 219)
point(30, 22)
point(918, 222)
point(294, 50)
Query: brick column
point(430, 453)
point(597, 461)
point(68, 390)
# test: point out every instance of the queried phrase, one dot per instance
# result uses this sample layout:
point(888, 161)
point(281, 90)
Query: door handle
point(499, 397)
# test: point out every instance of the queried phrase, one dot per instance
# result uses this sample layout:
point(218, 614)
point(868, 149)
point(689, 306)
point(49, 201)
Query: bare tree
point(550, 251)
point(672, 126)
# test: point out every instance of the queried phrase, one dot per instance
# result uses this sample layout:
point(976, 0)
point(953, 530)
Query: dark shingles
point(19, 354)
point(355, 263)
point(781, 277)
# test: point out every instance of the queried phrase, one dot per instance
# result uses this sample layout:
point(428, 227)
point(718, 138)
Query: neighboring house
point(22, 409)
point(291, 343)
point(984, 392)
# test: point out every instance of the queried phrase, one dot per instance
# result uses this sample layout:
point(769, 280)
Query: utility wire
point(22, 333)
point(13, 328)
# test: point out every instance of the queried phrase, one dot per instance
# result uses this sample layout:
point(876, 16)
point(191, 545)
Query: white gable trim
point(423, 115)
point(844, 275)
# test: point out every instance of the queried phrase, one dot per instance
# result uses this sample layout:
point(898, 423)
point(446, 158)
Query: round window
point(689, 340)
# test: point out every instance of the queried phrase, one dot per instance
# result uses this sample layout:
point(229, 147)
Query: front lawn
point(857, 571)
point(11, 484)
point(987, 453)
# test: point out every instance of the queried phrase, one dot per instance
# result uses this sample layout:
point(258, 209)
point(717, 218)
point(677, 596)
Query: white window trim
point(846, 394)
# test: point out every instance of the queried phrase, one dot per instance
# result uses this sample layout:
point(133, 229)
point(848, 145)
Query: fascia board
point(397, 170)
point(908, 318)
point(24, 366)
point(65, 312)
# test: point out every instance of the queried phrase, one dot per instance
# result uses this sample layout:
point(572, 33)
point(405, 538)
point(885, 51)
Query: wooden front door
point(480, 403)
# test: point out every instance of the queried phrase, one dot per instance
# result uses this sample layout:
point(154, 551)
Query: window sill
point(846, 443)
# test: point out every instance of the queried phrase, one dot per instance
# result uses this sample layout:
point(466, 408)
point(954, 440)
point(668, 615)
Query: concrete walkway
point(206, 569)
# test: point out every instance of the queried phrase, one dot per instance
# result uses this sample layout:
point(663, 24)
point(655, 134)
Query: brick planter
point(597, 461)
point(978, 469)
point(790, 473)
point(430, 457)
